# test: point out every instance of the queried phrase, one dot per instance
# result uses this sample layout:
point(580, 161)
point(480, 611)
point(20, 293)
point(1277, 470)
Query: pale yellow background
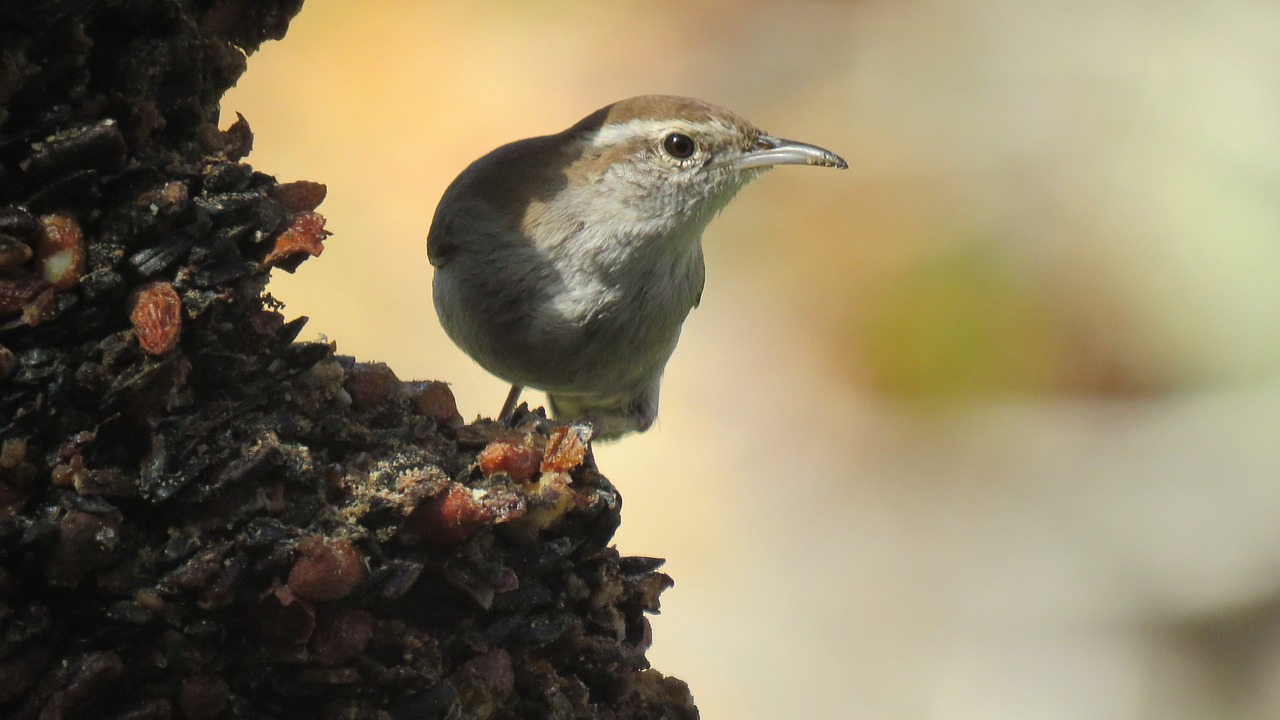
point(982, 428)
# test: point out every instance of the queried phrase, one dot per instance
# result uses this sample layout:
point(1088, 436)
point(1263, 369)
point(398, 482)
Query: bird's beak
point(770, 151)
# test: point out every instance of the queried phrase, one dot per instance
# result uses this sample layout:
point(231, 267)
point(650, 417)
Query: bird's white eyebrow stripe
point(615, 133)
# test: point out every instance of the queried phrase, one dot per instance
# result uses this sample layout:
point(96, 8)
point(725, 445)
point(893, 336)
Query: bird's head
point(655, 165)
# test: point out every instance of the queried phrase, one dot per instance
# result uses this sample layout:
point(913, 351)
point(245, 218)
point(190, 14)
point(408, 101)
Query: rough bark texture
point(201, 518)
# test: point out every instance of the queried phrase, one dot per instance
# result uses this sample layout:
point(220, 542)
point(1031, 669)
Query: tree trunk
point(201, 518)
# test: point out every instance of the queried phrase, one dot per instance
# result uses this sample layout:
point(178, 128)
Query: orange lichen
point(435, 400)
point(328, 569)
point(305, 235)
point(300, 195)
point(60, 251)
point(453, 516)
point(156, 315)
point(566, 449)
point(518, 461)
point(17, 291)
point(370, 384)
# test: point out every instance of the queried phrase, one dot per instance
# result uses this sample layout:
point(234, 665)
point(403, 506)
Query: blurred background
point(983, 427)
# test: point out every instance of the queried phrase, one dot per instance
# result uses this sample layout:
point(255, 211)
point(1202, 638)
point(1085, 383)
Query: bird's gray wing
point(442, 239)
point(699, 279)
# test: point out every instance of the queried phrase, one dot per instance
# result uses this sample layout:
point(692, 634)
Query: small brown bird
point(569, 262)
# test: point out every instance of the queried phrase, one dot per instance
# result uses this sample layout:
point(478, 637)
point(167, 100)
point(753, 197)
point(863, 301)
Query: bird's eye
point(678, 145)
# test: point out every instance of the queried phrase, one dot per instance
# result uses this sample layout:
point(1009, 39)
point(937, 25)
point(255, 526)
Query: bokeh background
point(984, 427)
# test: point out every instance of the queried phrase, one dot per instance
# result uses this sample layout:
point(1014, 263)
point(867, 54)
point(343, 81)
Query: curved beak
point(770, 151)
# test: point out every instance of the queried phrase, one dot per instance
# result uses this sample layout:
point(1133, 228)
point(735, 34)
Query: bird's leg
point(509, 407)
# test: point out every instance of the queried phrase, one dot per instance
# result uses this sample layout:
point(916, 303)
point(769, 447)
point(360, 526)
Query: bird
point(569, 262)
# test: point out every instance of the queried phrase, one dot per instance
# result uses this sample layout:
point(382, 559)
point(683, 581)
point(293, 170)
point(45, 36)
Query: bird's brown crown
point(664, 107)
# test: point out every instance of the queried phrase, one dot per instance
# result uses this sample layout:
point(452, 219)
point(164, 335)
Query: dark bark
point(199, 516)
